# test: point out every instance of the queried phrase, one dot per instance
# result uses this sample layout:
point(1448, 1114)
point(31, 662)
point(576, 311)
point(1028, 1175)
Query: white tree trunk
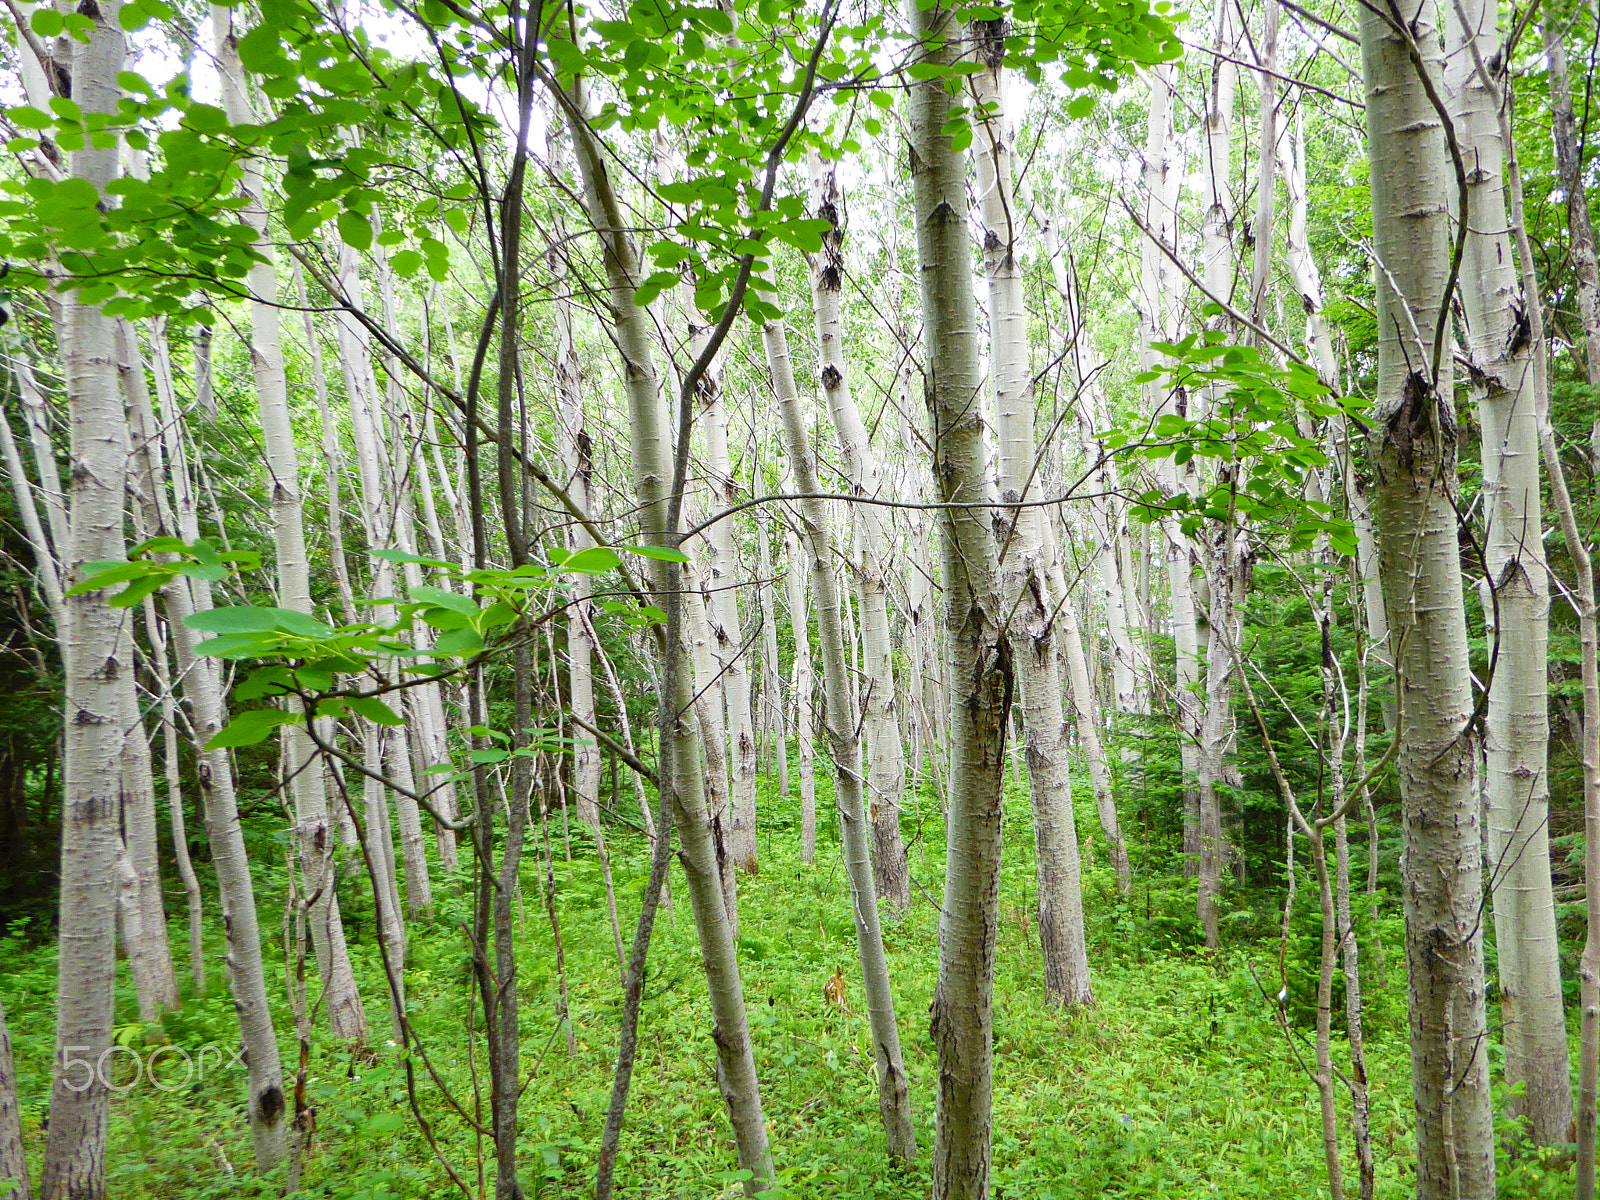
point(978, 668)
point(886, 772)
point(577, 469)
point(1517, 788)
point(1569, 166)
point(771, 685)
point(1156, 292)
point(1031, 611)
point(303, 765)
point(804, 722)
point(246, 973)
point(144, 919)
point(1086, 712)
point(378, 509)
point(720, 581)
point(842, 720)
point(94, 657)
point(1107, 513)
point(1414, 453)
point(171, 769)
point(736, 1073)
point(37, 412)
point(45, 551)
point(13, 1153)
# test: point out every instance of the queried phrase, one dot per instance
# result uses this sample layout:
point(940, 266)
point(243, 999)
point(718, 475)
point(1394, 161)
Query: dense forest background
point(669, 599)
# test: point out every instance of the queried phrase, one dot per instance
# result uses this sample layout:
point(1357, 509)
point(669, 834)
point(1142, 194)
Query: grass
point(1178, 1082)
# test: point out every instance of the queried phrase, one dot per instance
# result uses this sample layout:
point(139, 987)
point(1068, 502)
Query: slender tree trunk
point(722, 620)
point(13, 1154)
point(1031, 610)
point(1156, 289)
point(577, 469)
point(1569, 141)
point(978, 666)
point(1517, 787)
point(800, 624)
point(1216, 228)
point(303, 766)
point(842, 720)
point(144, 918)
point(736, 1074)
point(172, 773)
point(45, 551)
point(886, 771)
point(36, 411)
point(1107, 514)
point(1413, 449)
point(709, 717)
point(1589, 644)
point(378, 506)
point(771, 685)
point(1335, 719)
point(246, 973)
point(94, 656)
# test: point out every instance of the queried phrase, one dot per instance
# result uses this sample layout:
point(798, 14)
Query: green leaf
point(272, 680)
point(488, 756)
point(659, 553)
point(593, 561)
point(132, 17)
point(257, 619)
point(374, 710)
point(458, 643)
point(240, 618)
point(355, 230)
point(235, 645)
point(248, 728)
point(102, 575)
point(401, 556)
point(47, 23)
point(439, 598)
point(136, 591)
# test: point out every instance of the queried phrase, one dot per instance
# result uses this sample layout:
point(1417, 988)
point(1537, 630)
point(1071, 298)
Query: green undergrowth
point(1179, 1081)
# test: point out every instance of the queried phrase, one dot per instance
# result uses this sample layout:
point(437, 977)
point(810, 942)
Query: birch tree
point(13, 1154)
point(94, 655)
point(652, 463)
point(978, 669)
point(842, 721)
point(1023, 557)
point(886, 771)
point(303, 766)
point(804, 684)
point(1413, 449)
point(1517, 786)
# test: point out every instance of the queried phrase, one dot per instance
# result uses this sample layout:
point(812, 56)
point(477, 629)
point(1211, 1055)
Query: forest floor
point(1179, 1081)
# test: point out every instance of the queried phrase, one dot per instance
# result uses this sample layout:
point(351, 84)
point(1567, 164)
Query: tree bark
point(978, 663)
point(94, 657)
point(1517, 787)
point(1023, 559)
point(886, 768)
point(13, 1154)
point(804, 683)
point(1413, 449)
point(650, 445)
point(171, 770)
point(1569, 142)
point(771, 676)
point(303, 765)
point(842, 720)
